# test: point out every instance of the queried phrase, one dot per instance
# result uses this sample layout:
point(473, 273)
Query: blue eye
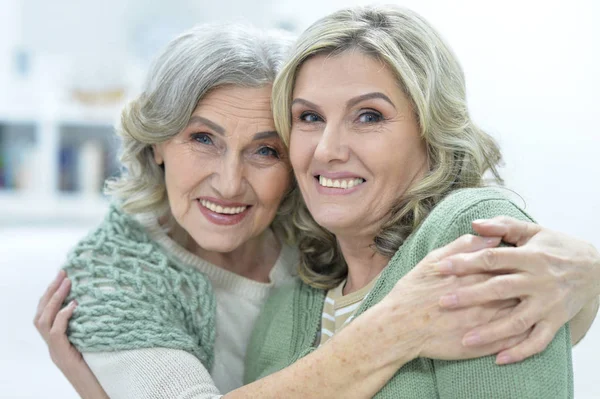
point(310, 117)
point(202, 138)
point(370, 117)
point(267, 152)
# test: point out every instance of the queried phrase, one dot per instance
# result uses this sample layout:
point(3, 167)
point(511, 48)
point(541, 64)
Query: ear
point(158, 156)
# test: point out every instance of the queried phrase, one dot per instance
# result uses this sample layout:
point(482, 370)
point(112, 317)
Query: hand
point(421, 326)
point(51, 322)
point(552, 274)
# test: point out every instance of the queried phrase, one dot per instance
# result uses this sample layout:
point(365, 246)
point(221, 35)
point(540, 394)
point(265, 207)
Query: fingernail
point(481, 221)
point(449, 300)
point(73, 303)
point(444, 266)
point(503, 359)
point(60, 275)
point(64, 283)
point(471, 339)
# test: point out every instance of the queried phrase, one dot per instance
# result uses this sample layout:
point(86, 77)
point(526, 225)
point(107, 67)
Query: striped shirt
point(339, 309)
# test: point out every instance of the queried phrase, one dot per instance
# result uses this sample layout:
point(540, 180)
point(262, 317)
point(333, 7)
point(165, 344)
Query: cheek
point(301, 150)
point(184, 170)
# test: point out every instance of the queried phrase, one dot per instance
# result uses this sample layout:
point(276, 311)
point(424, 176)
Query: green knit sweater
point(288, 326)
point(133, 295)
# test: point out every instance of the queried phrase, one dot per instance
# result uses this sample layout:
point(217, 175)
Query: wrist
point(392, 333)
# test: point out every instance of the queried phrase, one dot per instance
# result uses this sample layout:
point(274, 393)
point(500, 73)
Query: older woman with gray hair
point(166, 290)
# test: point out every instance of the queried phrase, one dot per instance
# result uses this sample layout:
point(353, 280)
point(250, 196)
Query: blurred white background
point(66, 67)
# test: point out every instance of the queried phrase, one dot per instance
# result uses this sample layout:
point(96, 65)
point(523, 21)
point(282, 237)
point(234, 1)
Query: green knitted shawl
point(288, 326)
point(132, 294)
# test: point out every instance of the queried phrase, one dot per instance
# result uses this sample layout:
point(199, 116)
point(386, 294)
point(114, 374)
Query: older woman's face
point(355, 144)
point(226, 172)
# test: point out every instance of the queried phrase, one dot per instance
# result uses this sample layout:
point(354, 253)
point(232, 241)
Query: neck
point(254, 259)
point(364, 263)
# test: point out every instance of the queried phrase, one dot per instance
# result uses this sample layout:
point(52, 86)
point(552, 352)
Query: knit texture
point(151, 373)
point(133, 295)
point(290, 321)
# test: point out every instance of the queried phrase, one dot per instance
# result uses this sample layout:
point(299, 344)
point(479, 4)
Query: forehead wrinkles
point(256, 110)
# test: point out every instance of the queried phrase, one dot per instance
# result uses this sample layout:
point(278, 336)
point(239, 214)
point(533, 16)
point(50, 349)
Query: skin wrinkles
point(229, 151)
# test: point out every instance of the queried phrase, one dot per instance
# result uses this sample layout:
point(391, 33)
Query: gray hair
point(198, 61)
point(459, 152)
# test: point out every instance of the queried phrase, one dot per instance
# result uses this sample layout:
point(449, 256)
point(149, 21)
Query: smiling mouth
point(339, 183)
point(224, 210)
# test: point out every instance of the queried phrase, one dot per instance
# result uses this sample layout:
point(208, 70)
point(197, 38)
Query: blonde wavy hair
point(200, 60)
point(459, 152)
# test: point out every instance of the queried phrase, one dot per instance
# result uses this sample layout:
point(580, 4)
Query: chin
point(218, 244)
point(334, 223)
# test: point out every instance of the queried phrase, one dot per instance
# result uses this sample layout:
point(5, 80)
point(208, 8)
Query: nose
point(229, 181)
point(332, 146)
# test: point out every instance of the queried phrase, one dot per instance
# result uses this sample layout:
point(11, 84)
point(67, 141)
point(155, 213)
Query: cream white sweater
point(171, 373)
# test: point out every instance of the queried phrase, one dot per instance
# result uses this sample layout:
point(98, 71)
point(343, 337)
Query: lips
point(338, 183)
point(221, 212)
point(228, 210)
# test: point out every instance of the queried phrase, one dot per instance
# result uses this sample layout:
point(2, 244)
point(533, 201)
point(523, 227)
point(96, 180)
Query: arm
point(153, 372)
point(548, 374)
point(132, 373)
point(51, 322)
point(559, 277)
point(395, 333)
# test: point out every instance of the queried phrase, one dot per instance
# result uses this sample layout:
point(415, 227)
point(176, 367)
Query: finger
point(518, 321)
point(465, 243)
point(488, 260)
point(61, 322)
point(495, 347)
point(537, 342)
point(505, 286)
point(48, 294)
point(54, 304)
point(512, 230)
point(508, 343)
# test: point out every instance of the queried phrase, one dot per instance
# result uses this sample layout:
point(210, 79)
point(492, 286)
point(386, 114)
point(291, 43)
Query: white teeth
point(220, 209)
point(340, 183)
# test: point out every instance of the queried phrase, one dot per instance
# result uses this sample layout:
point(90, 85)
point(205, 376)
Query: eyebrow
point(350, 103)
point(220, 130)
point(214, 126)
point(369, 96)
point(266, 135)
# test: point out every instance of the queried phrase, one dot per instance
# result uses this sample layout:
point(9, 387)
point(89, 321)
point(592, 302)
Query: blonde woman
point(390, 166)
point(141, 279)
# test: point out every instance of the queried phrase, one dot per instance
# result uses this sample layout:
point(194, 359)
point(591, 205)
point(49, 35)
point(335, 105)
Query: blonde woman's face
point(355, 144)
point(227, 171)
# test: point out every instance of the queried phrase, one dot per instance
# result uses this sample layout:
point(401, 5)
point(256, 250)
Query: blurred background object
point(67, 67)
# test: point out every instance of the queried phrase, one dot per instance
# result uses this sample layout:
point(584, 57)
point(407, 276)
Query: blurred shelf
point(55, 153)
